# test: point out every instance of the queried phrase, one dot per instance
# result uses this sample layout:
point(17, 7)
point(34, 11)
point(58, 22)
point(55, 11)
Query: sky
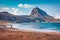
point(24, 7)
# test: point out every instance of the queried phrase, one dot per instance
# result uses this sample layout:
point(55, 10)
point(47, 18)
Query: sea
point(38, 26)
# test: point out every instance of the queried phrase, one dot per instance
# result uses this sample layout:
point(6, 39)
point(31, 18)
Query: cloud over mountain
point(25, 5)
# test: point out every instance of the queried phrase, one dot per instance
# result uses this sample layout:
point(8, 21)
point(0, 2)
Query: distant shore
point(16, 34)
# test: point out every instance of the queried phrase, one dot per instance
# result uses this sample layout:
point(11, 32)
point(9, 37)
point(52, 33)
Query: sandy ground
point(7, 34)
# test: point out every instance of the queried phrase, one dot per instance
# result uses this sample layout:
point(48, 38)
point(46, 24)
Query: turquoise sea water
point(35, 25)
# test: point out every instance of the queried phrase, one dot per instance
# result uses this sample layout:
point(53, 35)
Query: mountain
point(5, 16)
point(36, 12)
point(37, 15)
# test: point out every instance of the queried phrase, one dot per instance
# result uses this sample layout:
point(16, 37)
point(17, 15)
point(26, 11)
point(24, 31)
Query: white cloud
point(25, 5)
point(10, 10)
point(57, 16)
point(15, 10)
point(21, 13)
point(5, 9)
point(20, 5)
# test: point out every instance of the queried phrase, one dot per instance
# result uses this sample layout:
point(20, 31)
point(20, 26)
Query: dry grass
point(23, 35)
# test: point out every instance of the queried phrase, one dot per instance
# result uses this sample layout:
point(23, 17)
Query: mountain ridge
point(36, 15)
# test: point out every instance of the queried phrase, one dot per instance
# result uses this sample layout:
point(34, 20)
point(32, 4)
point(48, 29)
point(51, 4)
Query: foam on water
point(44, 27)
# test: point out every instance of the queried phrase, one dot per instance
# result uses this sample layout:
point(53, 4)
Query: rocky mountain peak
point(38, 12)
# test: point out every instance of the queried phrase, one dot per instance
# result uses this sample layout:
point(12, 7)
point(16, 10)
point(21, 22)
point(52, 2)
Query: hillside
point(37, 15)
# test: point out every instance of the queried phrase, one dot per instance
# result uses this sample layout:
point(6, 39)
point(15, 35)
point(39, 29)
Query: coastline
point(9, 33)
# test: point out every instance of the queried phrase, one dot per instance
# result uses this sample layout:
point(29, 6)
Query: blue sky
point(24, 7)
